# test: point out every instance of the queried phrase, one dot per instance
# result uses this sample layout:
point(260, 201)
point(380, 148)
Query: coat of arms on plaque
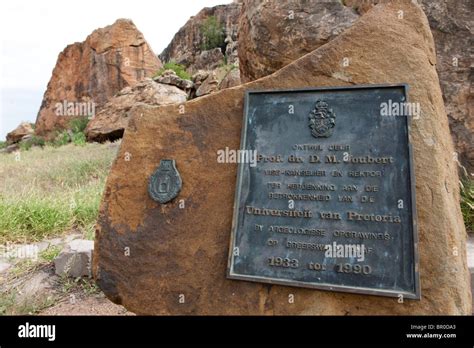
point(322, 120)
point(165, 183)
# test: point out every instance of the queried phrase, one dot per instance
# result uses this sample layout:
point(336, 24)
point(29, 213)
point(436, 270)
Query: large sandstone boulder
point(268, 43)
point(93, 71)
point(110, 122)
point(180, 252)
point(186, 46)
point(24, 129)
point(272, 34)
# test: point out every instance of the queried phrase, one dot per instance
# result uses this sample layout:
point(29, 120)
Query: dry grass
point(46, 192)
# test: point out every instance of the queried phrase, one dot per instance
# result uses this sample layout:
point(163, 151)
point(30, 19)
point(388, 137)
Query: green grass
point(179, 69)
point(50, 253)
point(467, 203)
point(52, 190)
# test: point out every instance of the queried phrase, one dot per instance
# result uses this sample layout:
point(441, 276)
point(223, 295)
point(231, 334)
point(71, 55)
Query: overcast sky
point(34, 32)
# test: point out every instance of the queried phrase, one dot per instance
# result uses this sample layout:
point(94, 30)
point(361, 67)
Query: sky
point(34, 32)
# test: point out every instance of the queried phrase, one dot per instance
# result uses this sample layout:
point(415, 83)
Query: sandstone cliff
point(186, 46)
point(91, 72)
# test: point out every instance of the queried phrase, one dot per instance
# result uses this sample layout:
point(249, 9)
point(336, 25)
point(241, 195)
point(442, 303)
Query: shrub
point(179, 69)
point(212, 34)
point(79, 138)
point(3, 144)
point(78, 125)
point(33, 141)
point(61, 139)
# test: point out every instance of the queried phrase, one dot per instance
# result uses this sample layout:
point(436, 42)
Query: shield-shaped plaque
point(165, 183)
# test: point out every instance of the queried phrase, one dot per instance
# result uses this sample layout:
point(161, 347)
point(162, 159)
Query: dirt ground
point(93, 305)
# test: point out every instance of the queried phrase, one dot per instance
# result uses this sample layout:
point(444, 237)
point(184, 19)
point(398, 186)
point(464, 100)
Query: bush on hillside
point(179, 69)
point(213, 34)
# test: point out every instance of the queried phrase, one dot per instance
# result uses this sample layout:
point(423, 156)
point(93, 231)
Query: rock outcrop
point(181, 254)
point(110, 122)
point(231, 79)
point(23, 130)
point(272, 34)
point(169, 77)
point(89, 73)
point(267, 43)
point(453, 31)
point(186, 46)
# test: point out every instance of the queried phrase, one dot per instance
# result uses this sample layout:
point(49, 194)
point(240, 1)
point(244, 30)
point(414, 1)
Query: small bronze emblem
point(165, 183)
point(322, 120)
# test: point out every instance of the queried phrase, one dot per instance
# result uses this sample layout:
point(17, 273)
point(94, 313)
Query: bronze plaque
point(328, 201)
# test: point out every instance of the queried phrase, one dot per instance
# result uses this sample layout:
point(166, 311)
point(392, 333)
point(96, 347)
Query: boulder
point(209, 60)
point(209, 85)
point(87, 74)
point(75, 259)
point(199, 77)
point(231, 79)
point(169, 77)
point(23, 130)
point(268, 43)
point(272, 34)
point(180, 252)
point(110, 122)
point(11, 148)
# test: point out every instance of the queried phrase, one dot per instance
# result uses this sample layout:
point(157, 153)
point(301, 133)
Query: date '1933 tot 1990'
point(340, 267)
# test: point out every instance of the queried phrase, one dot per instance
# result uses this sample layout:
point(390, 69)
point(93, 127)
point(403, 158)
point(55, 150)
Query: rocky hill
point(188, 46)
point(87, 74)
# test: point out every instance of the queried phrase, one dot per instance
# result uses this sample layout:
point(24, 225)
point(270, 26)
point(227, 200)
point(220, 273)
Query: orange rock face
point(272, 34)
point(267, 43)
point(177, 253)
point(89, 73)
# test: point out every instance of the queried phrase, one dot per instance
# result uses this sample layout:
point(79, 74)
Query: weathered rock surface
point(453, 31)
point(110, 122)
point(272, 34)
point(177, 251)
point(75, 259)
point(231, 79)
point(209, 60)
point(24, 129)
point(186, 46)
point(93, 71)
point(169, 77)
point(268, 43)
point(209, 85)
